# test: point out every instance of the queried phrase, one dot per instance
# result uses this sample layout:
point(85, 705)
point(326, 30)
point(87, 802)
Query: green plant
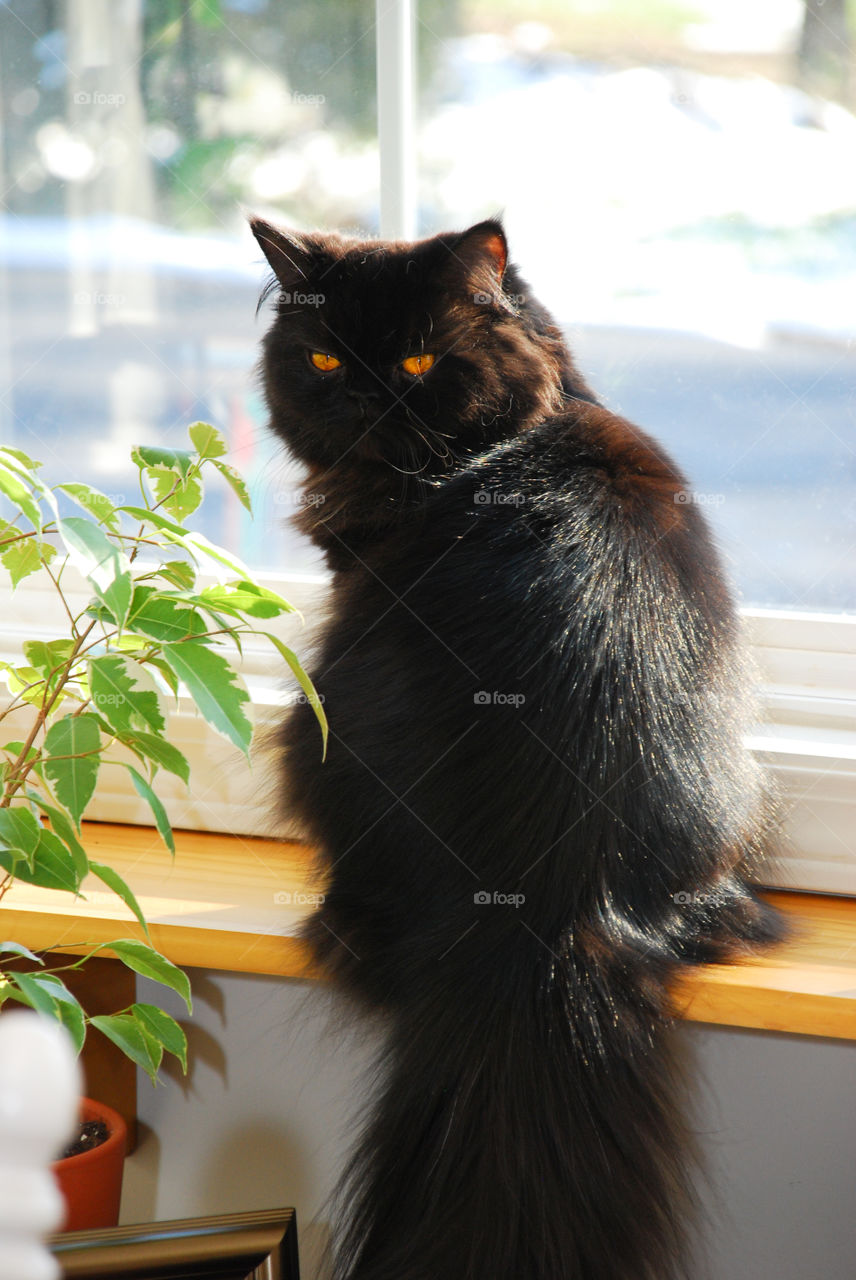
point(99, 691)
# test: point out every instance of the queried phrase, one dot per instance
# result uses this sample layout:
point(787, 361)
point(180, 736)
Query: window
point(677, 182)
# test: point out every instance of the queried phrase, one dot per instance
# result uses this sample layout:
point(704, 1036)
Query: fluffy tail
point(529, 1127)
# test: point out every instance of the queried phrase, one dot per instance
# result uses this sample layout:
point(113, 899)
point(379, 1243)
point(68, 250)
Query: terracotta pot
point(91, 1183)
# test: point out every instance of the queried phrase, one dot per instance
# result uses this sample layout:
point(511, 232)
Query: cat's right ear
point(286, 251)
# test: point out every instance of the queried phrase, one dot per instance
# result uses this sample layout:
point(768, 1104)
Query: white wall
point(263, 1121)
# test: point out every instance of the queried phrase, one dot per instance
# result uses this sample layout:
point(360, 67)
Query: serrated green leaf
point(101, 562)
point(164, 1028)
point(22, 558)
point(125, 694)
point(18, 949)
point(18, 493)
point(207, 440)
point(305, 683)
point(77, 739)
point(96, 503)
point(110, 877)
point(159, 751)
point(215, 687)
point(151, 964)
point(127, 1034)
point(64, 828)
point(160, 815)
point(48, 657)
point(236, 483)
point(179, 498)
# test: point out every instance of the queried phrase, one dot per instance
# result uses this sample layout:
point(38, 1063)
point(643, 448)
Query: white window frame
point(806, 733)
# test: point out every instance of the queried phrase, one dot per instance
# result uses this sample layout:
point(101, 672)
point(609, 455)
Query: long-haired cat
point(536, 809)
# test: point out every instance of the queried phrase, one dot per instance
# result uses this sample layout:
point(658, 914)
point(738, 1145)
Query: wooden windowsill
point(234, 903)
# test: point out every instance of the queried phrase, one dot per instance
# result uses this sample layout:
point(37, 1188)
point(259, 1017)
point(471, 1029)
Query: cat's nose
point(364, 395)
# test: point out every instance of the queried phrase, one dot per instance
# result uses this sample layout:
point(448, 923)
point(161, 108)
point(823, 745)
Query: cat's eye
point(324, 362)
point(417, 365)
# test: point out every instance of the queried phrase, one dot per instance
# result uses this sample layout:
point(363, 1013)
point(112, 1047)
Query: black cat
point(536, 809)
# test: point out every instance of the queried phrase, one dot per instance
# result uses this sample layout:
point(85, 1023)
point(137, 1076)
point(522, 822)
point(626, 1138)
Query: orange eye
point(417, 364)
point(324, 361)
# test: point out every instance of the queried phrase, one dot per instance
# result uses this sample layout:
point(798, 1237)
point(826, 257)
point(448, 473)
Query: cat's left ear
point(482, 253)
point(286, 251)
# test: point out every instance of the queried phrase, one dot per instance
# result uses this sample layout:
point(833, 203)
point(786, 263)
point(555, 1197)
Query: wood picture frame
point(260, 1245)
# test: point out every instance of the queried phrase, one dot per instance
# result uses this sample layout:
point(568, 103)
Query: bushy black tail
point(529, 1127)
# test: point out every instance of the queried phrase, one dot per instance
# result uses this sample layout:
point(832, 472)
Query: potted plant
point(96, 695)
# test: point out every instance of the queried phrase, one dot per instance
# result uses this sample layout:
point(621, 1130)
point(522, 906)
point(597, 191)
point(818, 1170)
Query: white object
point(39, 1092)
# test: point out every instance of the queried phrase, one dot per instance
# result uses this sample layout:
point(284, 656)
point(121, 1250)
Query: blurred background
point(678, 181)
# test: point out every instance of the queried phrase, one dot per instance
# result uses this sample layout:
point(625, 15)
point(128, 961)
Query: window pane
point(134, 137)
point(679, 185)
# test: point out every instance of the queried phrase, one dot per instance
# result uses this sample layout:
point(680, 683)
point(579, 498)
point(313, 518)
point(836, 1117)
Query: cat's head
point(395, 359)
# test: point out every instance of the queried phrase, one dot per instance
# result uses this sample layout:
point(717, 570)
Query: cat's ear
point(286, 251)
point(482, 254)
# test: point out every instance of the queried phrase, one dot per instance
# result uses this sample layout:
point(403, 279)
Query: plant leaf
point(26, 556)
point(17, 455)
point(161, 752)
point(160, 815)
point(206, 440)
point(151, 964)
point(93, 501)
point(128, 1035)
point(101, 562)
point(20, 496)
point(110, 877)
point(64, 828)
point(305, 683)
point(20, 830)
point(244, 597)
point(180, 498)
point(215, 687)
point(178, 573)
point(164, 1028)
point(73, 1019)
point(236, 483)
point(31, 987)
point(18, 949)
point(125, 694)
point(178, 460)
point(163, 617)
point(78, 738)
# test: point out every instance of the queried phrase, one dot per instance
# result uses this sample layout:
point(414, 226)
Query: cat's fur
point(534, 686)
